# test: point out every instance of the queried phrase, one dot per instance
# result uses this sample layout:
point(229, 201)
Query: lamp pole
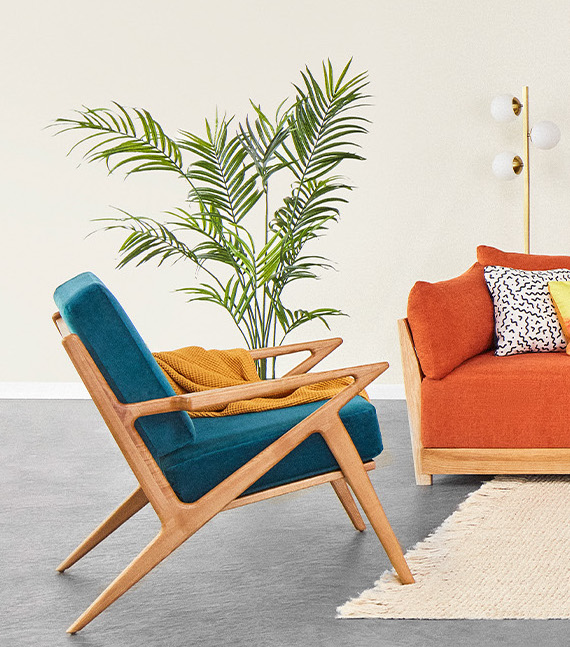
point(507, 165)
point(526, 170)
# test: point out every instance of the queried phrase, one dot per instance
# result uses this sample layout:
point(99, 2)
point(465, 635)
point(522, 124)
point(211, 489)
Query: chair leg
point(348, 458)
point(345, 497)
point(135, 502)
point(159, 548)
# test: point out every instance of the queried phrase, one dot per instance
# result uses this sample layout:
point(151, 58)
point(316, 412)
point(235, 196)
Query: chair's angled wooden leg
point(345, 497)
point(348, 458)
point(372, 507)
point(135, 502)
point(159, 548)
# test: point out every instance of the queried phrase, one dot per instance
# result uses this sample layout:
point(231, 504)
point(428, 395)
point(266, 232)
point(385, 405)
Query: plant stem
point(266, 239)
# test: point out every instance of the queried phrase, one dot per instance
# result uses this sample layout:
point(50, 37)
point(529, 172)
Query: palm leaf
point(291, 319)
point(121, 138)
point(263, 139)
point(223, 177)
point(148, 239)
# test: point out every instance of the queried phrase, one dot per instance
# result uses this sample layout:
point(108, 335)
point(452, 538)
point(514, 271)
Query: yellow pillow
point(560, 293)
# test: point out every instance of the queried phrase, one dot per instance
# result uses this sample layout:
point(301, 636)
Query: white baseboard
point(76, 391)
point(43, 391)
point(386, 392)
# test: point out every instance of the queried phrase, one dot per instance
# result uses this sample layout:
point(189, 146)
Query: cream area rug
point(505, 553)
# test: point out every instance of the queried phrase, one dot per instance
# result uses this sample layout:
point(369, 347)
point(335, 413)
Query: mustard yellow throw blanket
point(193, 369)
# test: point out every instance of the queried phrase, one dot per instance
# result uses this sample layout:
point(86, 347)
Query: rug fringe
point(432, 552)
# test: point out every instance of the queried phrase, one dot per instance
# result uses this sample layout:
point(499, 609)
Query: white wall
point(425, 197)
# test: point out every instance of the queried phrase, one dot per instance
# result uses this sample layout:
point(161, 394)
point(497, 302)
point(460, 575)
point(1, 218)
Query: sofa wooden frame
point(179, 520)
point(430, 461)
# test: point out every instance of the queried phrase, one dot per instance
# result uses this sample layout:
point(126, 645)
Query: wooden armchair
point(87, 309)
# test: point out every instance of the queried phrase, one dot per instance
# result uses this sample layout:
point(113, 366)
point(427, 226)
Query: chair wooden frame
point(430, 461)
point(179, 520)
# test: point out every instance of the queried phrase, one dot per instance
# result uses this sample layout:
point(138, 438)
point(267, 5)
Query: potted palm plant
point(229, 176)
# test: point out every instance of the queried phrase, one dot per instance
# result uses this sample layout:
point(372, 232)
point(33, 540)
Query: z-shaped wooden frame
point(179, 520)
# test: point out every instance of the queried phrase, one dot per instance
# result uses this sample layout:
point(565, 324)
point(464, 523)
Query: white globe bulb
point(545, 135)
point(502, 108)
point(503, 166)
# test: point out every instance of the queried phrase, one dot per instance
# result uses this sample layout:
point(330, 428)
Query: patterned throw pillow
point(560, 293)
point(525, 319)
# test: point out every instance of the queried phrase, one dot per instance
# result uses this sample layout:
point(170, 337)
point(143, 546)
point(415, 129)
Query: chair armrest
point(319, 349)
point(362, 375)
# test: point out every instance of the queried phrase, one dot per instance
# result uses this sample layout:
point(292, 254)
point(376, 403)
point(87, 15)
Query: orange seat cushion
point(493, 256)
point(518, 401)
point(451, 321)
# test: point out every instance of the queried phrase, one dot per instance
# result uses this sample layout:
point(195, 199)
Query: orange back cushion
point(451, 321)
point(492, 256)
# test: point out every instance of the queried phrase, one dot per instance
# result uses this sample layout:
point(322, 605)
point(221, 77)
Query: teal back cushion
point(96, 317)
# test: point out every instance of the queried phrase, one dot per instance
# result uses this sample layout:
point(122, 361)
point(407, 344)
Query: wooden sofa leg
point(421, 477)
point(135, 502)
point(424, 479)
point(345, 497)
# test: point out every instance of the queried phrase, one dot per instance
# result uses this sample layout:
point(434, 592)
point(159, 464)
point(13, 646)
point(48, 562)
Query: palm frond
point(223, 177)
point(263, 139)
point(322, 132)
point(129, 138)
point(147, 239)
point(291, 319)
point(322, 123)
point(224, 241)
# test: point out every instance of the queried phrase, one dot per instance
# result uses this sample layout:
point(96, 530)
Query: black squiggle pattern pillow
point(525, 319)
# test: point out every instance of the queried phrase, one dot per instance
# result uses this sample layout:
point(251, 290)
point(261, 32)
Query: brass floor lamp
point(507, 165)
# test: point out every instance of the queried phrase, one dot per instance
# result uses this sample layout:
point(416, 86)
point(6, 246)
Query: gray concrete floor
point(267, 574)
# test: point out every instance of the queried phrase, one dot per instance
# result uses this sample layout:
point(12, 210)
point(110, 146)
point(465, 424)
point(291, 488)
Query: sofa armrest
point(413, 376)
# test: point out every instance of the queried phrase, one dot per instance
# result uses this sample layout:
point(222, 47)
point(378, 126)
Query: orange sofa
point(470, 411)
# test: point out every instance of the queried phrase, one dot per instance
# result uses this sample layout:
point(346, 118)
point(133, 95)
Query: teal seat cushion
point(224, 444)
point(96, 317)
